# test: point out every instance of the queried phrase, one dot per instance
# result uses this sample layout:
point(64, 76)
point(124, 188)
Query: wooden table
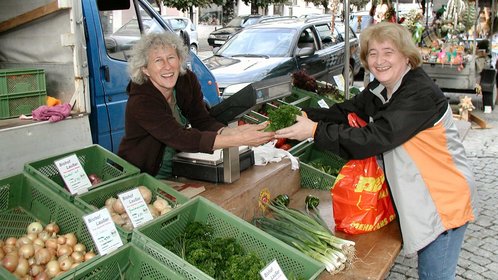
point(375, 251)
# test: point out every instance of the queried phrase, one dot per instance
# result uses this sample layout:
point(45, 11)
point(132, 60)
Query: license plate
point(218, 42)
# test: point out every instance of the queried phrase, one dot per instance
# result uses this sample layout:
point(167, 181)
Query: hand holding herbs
point(282, 117)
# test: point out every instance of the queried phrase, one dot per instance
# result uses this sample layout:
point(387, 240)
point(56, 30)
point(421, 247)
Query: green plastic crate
point(306, 99)
point(95, 199)
point(94, 159)
point(127, 262)
point(311, 177)
point(24, 200)
point(21, 91)
point(22, 80)
point(152, 236)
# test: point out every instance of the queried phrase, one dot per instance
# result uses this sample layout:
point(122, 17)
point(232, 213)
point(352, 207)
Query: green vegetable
point(307, 232)
point(219, 257)
point(282, 199)
point(311, 201)
point(325, 168)
point(282, 117)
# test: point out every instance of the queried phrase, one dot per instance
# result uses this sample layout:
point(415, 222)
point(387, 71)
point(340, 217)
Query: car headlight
point(232, 89)
point(211, 36)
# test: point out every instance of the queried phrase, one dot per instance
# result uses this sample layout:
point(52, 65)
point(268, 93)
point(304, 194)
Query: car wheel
point(193, 48)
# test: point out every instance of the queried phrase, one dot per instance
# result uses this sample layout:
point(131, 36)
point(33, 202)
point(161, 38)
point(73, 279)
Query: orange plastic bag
point(360, 197)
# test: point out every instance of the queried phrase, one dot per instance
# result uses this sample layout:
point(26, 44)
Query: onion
point(153, 211)
point(23, 241)
point(71, 239)
point(118, 207)
point(64, 250)
point(146, 193)
point(22, 267)
point(42, 276)
point(32, 236)
point(44, 235)
point(79, 247)
point(35, 269)
point(26, 251)
point(51, 243)
point(78, 256)
point(161, 204)
point(65, 262)
point(43, 256)
point(117, 219)
point(52, 228)
point(2, 253)
point(61, 240)
point(35, 227)
point(9, 248)
point(11, 241)
point(52, 268)
point(39, 242)
point(10, 262)
point(90, 254)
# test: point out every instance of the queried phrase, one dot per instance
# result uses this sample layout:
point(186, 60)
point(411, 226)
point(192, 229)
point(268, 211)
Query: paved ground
point(478, 259)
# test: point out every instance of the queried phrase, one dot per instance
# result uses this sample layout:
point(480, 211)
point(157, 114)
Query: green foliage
point(218, 257)
point(282, 117)
point(185, 5)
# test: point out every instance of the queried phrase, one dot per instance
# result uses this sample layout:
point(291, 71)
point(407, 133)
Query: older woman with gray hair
point(411, 128)
point(166, 113)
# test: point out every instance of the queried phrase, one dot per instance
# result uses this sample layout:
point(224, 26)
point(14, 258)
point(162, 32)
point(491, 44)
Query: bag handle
point(355, 121)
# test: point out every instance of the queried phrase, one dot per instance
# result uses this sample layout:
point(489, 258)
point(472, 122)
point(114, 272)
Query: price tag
point(323, 104)
point(73, 174)
point(103, 231)
point(339, 81)
point(272, 272)
point(135, 207)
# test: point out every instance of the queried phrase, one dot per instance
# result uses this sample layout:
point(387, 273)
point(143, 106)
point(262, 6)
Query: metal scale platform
point(225, 165)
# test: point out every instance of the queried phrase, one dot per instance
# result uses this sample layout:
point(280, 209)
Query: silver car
point(179, 23)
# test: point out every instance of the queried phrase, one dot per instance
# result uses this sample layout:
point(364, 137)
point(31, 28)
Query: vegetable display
point(307, 232)
point(42, 253)
point(311, 202)
point(282, 117)
point(218, 257)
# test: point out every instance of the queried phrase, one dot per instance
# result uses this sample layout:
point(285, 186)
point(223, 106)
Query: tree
point(188, 5)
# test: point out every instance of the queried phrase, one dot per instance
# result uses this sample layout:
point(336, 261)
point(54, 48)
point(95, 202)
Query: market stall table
point(375, 251)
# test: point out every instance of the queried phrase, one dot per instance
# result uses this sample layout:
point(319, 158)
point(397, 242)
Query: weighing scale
point(224, 165)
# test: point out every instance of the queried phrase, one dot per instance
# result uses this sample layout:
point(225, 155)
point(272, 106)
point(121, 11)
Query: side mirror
point(306, 51)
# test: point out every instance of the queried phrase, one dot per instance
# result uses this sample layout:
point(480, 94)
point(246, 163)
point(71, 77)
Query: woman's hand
point(243, 135)
point(304, 128)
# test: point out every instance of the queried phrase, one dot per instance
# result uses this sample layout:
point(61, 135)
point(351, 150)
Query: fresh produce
point(157, 207)
point(281, 117)
point(325, 167)
point(280, 142)
point(281, 199)
point(94, 179)
point(42, 253)
point(311, 202)
point(218, 257)
point(307, 232)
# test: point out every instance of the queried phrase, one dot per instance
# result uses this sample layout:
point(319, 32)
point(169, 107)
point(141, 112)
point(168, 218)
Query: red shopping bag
point(360, 196)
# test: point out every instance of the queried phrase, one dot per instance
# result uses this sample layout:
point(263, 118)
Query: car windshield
point(268, 42)
point(242, 21)
point(131, 28)
point(177, 24)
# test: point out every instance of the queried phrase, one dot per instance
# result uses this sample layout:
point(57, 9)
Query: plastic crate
point(24, 200)
point(312, 177)
point(127, 262)
point(152, 236)
point(94, 159)
point(306, 99)
point(21, 91)
point(96, 198)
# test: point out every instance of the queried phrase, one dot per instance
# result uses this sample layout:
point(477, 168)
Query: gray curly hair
point(140, 53)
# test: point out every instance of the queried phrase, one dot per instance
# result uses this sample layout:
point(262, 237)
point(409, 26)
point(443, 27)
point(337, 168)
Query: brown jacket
point(150, 125)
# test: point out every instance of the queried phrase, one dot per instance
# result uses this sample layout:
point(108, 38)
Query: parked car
point(184, 24)
point(277, 48)
point(220, 36)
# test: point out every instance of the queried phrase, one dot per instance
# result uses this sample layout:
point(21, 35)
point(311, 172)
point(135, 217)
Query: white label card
point(103, 231)
point(323, 104)
point(272, 272)
point(339, 81)
point(73, 174)
point(135, 207)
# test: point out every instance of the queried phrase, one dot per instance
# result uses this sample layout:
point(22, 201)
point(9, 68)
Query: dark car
point(281, 47)
point(220, 36)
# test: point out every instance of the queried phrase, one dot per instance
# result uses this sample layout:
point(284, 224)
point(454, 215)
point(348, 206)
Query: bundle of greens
point(308, 232)
point(220, 258)
point(282, 117)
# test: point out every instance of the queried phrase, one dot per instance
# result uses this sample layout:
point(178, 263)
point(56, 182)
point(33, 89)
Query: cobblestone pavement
point(478, 259)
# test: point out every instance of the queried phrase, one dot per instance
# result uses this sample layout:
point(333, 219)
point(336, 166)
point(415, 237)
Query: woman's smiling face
point(386, 62)
point(163, 68)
